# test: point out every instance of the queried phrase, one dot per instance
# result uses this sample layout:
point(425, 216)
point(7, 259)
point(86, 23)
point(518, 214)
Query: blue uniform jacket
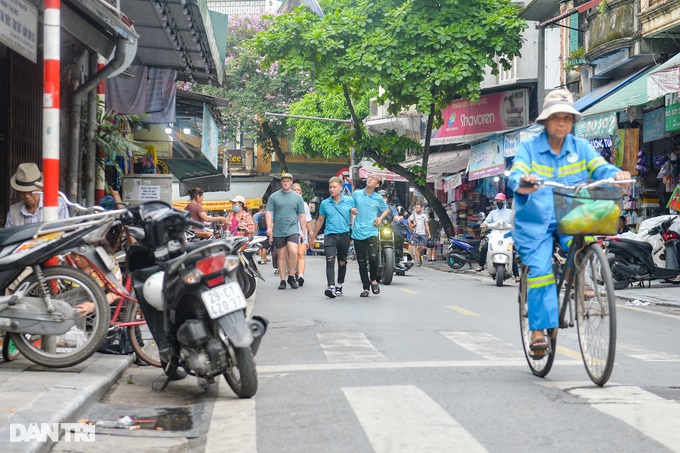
point(577, 163)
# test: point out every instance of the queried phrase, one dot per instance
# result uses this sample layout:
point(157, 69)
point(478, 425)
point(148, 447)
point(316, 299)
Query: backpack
point(262, 222)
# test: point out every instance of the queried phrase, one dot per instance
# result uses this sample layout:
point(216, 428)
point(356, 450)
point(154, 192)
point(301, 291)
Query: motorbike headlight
point(509, 247)
point(386, 233)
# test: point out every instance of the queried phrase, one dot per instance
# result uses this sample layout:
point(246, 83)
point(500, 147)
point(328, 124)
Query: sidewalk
point(659, 293)
point(34, 394)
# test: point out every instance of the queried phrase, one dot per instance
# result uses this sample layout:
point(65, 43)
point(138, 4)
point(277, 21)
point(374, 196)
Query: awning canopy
point(602, 92)
point(635, 93)
point(540, 10)
point(579, 9)
point(310, 171)
point(663, 82)
point(438, 164)
point(221, 201)
point(184, 169)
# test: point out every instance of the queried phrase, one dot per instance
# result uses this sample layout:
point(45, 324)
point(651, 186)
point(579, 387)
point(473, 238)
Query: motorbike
point(248, 272)
point(385, 253)
point(461, 251)
point(192, 300)
point(633, 260)
point(44, 306)
point(500, 253)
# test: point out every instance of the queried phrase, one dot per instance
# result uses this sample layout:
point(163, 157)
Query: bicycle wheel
point(140, 336)
point(596, 314)
point(73, 287)
point(541, 367)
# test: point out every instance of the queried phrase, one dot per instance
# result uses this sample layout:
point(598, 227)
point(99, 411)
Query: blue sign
point(347, 189)
point(653, 125)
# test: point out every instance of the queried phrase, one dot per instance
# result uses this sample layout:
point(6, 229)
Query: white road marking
point(652, 415)
point(637, 352)
point(233, 426)
point(485, 345)
point(648, 311)
point(406, 419)
point(344, 347)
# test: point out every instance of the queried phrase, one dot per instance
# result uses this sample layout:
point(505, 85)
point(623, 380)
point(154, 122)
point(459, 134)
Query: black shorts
point(336, 245)
point(280, 242)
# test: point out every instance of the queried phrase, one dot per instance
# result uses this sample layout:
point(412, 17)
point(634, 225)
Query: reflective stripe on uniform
point(571, 169)
point(542, 280)
point(542, 170)
point(522, 167)
point(594, 164)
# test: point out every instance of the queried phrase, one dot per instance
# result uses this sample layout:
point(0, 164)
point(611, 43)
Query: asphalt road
point(433, 363)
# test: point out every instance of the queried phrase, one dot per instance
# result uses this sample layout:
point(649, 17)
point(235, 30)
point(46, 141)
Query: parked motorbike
point(247, 271)
point(499, 256)
point(46, 314)
point(191, 299)
point(632, 260)
point(461, 251)
point(385, 253)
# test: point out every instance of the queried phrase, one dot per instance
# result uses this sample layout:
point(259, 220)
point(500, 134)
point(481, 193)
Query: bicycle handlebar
point(543, 183)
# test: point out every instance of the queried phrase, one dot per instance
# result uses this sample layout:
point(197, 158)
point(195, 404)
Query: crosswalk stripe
point(343, 347)
point(405, 419)
point(485, 345)
point(240, 418)
point(652, 415)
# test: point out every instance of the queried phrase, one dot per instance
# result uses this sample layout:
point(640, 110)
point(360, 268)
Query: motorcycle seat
point(18, 234)
point(643, 244)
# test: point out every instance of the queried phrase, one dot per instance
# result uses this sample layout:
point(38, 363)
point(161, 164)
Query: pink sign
point(467, 121)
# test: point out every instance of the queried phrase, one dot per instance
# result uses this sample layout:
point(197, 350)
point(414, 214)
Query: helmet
point(153, 291)
point(382, 193)
point(500, 197)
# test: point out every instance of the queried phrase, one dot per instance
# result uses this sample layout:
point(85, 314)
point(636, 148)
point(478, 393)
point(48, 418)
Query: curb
point(64, 402)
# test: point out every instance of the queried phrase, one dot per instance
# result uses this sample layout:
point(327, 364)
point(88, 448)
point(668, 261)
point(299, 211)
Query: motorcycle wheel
point(72, 286)
point(620, 281)
point(242, 375)
point(246, 282)
point(454, 261)
point(388, 269)
point(500, 275)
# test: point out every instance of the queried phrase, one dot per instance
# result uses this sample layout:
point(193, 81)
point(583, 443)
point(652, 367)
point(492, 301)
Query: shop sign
point(596, 126)
point(465, 121)
point(19, 27)
point(511, 143)
point(601, 143)
point(653, 125)
point(486, 159)
point(209, 136)
point(672, 114)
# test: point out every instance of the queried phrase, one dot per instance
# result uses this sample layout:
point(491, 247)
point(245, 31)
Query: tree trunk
point(276, 146)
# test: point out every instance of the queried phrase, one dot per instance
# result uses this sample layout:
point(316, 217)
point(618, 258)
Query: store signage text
point(672, 116)
point(19, 27)
point(601, 143)
point(597, 126)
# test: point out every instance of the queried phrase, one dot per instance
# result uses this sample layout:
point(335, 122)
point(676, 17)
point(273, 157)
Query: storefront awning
point(600, 93)
point(184, 169)
point(635, 93)
point(540, 10)
point(221, 201)
point(579, 9)
point(438, 164)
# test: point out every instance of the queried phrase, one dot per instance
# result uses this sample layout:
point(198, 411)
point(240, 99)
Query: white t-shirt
point(420, 220)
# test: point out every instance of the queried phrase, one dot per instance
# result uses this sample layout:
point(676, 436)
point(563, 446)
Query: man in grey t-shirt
point(288, 208)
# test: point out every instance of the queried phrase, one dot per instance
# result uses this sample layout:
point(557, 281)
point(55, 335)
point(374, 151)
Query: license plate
point(318, 245)
point(223, 300)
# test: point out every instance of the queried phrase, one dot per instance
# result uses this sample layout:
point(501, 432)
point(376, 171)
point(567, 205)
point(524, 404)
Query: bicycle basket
point(588, 211)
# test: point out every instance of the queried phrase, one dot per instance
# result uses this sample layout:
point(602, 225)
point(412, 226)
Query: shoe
point(293, 284)
point(400, 266)
point(330, 292)
point(539, 345)
point(300, 281)
point(282, 285)
point(364, 293)
point(479, 269)
point(338, 291)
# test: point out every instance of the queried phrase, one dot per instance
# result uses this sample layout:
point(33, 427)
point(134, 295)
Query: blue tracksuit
point(535, 222)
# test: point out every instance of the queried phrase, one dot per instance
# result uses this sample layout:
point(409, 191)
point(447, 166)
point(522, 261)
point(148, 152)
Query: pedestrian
point(27, 180)
point(239, 221)
point(554, 155)
point(304, 240)
point(623, 228)
point(432, 243)
point(335, 212)
point(371, 210)
point(195, 208)
point(260, 220)
point(288, 209)
point(420, 231)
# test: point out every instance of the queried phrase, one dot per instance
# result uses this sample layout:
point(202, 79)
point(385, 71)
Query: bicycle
point(584, 280)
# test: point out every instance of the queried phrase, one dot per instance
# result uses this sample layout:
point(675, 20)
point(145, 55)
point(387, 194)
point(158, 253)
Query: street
point(433, 363)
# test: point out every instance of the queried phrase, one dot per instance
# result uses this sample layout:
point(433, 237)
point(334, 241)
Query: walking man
point(289, 210)
point(335, 212)
point(371, 210)
point(420, 231)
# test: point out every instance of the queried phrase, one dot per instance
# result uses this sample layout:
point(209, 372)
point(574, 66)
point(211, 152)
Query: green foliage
point(574, 59)
point(603, 7)
point(114, 132)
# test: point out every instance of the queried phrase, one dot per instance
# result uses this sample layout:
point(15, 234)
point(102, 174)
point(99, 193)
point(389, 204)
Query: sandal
point(375, 288)
point(588, 293)
point(539, 345)
point(518, 279)
point(364, 293)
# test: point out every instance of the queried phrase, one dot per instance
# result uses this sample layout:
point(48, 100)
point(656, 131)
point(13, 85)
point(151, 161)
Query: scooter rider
point(394, 218)
point(500, 213)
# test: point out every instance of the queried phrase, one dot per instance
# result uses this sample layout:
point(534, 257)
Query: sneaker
point(338, 291)
point(300, 281)
point(293, 284)
point(330, 292)
point(282, 285)
point(400, 266)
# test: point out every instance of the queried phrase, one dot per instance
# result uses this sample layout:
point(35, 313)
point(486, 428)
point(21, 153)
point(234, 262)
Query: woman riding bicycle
point(553, 155)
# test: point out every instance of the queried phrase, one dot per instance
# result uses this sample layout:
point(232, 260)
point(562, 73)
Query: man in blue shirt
point(371, 210)
point(553, 155)
point(335, 211)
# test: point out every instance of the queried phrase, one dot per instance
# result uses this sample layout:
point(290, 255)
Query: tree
point(420, 52)
point(253, 91)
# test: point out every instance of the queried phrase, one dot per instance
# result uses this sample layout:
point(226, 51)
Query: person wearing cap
point(195, 208)
point(239, 221)
point(502, 212)
point(288, 209)
point(553, 155)
point(27, 180)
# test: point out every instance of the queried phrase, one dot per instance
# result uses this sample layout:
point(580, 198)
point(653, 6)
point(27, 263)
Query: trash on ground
point(637, 302)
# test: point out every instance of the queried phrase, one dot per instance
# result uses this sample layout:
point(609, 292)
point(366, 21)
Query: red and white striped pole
point(100, 183)
point(52, 79)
